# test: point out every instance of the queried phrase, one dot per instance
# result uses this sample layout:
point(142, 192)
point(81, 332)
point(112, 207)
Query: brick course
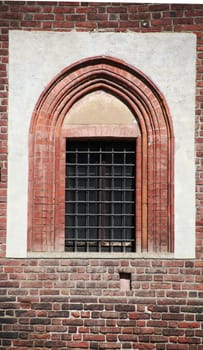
point(77, 304)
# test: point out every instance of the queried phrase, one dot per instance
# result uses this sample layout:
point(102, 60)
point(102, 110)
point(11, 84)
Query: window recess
point(100, 196)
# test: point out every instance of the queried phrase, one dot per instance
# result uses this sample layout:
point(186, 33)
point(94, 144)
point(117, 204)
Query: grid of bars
point(100, 196)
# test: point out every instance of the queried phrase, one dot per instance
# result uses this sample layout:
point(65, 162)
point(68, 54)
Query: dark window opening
point(100, 196)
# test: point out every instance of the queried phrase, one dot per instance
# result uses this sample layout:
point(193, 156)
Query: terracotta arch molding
point(154, 152)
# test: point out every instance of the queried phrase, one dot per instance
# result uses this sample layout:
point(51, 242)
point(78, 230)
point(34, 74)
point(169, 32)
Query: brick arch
point(155, 152)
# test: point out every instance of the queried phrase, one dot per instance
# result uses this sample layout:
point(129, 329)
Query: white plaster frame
point(169, 59)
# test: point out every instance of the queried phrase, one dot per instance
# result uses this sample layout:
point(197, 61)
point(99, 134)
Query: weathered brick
point(93, 307)
point(40, 321)
point(58, 314)
point(110, 345)
point(9, 335)
point(8, 320)
point(94, 337)
point(41, 306)
point(111, 338)
point(173, 316)
point(78, 345)
point(72, 322)
point(72, 306)
point(125, 307)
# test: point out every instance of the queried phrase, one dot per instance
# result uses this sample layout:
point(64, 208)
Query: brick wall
point(68, 304)
point(76, 304)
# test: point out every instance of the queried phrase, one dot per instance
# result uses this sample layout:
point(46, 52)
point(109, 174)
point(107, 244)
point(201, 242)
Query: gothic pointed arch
point(154, 152)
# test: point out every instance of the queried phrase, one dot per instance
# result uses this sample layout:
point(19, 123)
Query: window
point(100, 196)
point(77, 197)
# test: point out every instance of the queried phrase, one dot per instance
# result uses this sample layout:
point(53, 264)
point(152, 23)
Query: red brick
point(44, 17)
point(94, 337)
point(158, 7)
point(61, 9)
point(110, 346)
point(79, 345)
point(189, 325)
point(111, 338)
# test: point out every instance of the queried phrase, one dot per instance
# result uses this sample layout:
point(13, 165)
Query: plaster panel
point(36, 57)
point(99, 108)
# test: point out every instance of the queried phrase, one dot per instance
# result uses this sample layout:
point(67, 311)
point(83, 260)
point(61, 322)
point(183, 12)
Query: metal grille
point(100, 196)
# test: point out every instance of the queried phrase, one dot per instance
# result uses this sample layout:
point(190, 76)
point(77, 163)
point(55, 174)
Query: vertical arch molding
point(154, 152)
